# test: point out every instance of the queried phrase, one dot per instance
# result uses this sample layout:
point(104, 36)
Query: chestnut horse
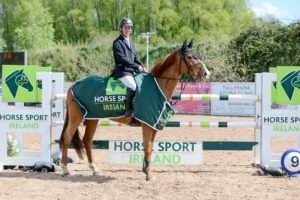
point(167, 74)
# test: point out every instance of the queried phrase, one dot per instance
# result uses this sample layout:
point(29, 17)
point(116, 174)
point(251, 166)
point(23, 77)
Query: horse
point(167, 74)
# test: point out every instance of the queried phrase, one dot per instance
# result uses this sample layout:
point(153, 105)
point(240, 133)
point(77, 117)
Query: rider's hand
point(141, 68)
point(145, 69)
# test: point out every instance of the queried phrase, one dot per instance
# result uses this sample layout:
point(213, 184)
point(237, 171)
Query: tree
point(33, 25)
point(7, 9)
point(74, 20)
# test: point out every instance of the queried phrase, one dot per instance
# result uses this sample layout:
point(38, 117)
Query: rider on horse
point(127, 62)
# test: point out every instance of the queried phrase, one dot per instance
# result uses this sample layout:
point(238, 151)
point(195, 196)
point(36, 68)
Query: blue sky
point(287, 11)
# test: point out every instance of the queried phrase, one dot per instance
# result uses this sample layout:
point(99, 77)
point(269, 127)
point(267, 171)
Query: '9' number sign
point(290, 161)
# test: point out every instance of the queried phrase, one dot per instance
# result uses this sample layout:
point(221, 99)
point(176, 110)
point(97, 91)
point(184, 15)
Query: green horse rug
point(104, 97)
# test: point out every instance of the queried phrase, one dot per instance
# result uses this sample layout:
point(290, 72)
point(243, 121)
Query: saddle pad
point(150, 105)
point(99, 97)
point(103, 97)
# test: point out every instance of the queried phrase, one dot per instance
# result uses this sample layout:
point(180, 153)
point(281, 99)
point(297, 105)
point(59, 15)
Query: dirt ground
point(224, 174)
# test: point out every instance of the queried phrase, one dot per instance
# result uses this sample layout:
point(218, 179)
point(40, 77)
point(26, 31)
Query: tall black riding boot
point(128, 103)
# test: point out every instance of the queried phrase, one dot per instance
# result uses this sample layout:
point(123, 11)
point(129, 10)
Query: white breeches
point(129, 82)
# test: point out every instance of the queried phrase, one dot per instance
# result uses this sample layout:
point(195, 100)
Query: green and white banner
point(164, 153)
point(288, 85)
point(19, 83)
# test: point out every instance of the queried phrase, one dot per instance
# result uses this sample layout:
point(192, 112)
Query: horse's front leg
point(148, 139)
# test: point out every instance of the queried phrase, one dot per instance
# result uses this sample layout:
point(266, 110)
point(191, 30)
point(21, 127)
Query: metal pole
point(147, 36)
point(147, 53)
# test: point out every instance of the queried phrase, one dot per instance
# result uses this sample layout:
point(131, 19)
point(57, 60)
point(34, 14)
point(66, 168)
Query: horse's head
point(194, 67)
point(23, 81)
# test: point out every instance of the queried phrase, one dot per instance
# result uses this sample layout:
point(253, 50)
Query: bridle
point(188, 65)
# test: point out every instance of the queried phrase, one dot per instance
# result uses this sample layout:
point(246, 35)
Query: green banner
point(288, 85)
point(19, 83)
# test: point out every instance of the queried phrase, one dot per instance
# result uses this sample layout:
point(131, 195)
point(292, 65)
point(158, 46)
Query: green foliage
point(73, 20)
point(33, 26)
point(79, 21)
point(77, 61)
point(214, 53)
point(7, 9)
point(264, 45)
point(75, 36)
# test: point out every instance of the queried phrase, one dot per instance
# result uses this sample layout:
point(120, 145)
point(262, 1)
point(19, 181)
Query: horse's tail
point(76, 139)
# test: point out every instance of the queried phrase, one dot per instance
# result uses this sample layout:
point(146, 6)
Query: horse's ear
point(184, 44)
point(190, 44)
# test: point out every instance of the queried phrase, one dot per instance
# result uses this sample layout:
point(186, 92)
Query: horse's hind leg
point(148, 139)
point(74, 119)
point(90, 129)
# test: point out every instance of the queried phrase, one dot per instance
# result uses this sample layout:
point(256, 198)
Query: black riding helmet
point(125, 22)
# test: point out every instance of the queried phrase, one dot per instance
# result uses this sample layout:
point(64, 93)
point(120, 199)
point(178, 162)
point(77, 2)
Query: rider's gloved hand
point(142, 69)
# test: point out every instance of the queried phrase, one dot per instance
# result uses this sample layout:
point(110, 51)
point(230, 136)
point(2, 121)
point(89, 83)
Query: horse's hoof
point(98, 173)
point(65, 174)
point(150, 178)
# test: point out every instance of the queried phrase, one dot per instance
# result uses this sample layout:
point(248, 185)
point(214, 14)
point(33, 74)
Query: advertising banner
point(233, 108)
point(164, 152)
point(193, 107)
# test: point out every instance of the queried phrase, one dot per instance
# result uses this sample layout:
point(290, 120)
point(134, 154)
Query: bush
point(76, 61)
point(264, 45)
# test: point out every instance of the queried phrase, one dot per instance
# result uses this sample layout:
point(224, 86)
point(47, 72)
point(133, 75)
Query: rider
point(127, 63)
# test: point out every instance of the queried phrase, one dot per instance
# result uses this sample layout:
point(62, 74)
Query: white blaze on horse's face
point(205, 74)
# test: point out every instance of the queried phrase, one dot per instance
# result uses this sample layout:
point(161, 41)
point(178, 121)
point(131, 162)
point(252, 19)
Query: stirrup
point(128, 113)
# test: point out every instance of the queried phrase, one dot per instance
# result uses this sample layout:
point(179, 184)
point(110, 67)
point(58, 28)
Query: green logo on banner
point(115, 87)
point(18, 83)
point(290, 83)
point(18, 79)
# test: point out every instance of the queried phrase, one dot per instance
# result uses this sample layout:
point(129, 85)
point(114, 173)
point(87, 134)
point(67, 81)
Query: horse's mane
point(160, 67)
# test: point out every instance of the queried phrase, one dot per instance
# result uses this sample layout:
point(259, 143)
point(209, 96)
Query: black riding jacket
point(126, 59)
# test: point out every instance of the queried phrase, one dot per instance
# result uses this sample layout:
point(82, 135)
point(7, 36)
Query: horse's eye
point(189, 57)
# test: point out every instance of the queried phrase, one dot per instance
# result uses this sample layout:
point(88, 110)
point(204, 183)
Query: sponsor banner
point(233, 108)
point(21, 121)
point(288, 85)
point(285, 124)
point(193, 107)
point(19, 83)
point(164, 153)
